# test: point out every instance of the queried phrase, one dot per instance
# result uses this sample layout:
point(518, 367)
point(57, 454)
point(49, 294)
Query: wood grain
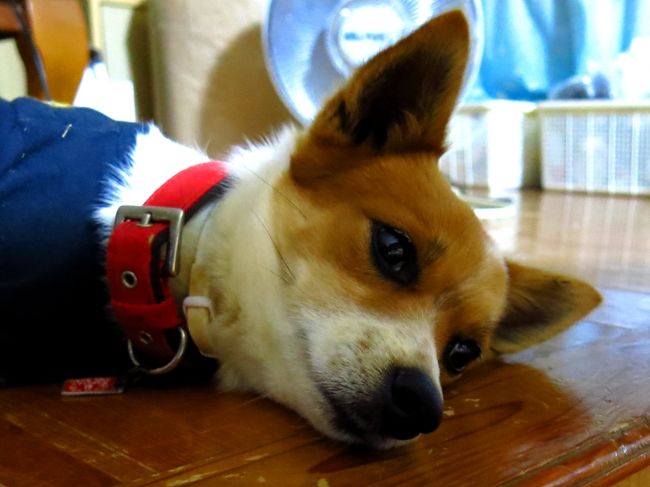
point(572, 411)
point(639, 479)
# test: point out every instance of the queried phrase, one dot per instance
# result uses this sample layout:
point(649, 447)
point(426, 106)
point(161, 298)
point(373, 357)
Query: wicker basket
point(493, 145)
point(594, 146)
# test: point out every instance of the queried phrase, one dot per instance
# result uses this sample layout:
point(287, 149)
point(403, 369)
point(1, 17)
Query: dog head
point(390, 286)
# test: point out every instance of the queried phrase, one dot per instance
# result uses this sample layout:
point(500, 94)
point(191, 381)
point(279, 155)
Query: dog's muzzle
point(405, 404)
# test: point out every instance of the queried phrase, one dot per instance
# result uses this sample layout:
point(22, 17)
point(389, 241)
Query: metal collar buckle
point(169, 366)
point(147, 215)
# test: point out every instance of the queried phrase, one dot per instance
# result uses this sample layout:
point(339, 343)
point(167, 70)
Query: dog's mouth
point(405, 405)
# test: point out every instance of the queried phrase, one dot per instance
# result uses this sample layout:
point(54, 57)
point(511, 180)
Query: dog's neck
point(236, 264)
point(252, 174)
point(191, 235)
point(227, 240)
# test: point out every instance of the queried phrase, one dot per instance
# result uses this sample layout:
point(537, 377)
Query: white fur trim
point(155, 159)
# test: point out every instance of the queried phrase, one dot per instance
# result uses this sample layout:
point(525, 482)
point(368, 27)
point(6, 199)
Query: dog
point(336, 271)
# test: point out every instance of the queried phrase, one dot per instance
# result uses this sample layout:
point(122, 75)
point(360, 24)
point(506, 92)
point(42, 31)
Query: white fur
point(256, 348)
point(155, 159)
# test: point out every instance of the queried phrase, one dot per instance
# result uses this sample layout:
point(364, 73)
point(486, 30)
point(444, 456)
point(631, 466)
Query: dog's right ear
point(399, 101)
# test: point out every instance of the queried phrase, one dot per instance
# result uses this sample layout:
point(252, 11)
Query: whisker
point(277, 250)
point(276, 190)
point(278, 275)
point(259, 397)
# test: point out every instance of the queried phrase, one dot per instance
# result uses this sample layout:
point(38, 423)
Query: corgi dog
point(339, 274)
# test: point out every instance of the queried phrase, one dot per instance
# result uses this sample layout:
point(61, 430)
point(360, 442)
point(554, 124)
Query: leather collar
point(143, 255)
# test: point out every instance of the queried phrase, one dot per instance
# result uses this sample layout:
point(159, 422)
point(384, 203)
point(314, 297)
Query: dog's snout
point(412, 404)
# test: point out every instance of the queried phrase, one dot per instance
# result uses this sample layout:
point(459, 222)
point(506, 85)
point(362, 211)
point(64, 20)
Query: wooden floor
point(573, 411)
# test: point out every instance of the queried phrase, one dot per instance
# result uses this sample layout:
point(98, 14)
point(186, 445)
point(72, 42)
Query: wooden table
point(573, 411)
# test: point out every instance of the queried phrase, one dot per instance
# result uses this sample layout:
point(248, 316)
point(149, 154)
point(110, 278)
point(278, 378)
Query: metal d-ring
point(169, 366)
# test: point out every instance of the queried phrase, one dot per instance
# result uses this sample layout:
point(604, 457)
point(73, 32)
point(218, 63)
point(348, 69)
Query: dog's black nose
point(411, 404)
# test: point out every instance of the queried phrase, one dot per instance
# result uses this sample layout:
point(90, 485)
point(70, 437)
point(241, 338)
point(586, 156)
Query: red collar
point(138, 273)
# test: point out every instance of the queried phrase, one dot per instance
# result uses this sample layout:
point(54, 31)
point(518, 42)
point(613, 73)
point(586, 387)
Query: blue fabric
point(531, 45)
point(54, 164)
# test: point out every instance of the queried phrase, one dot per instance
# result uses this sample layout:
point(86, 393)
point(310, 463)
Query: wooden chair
point(52, 40)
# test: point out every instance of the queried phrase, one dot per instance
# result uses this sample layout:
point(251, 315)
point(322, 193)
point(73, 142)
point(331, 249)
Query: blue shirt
point(54, 166)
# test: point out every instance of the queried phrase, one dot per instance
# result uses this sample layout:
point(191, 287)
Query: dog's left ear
point(399, 101)
point(540, 305)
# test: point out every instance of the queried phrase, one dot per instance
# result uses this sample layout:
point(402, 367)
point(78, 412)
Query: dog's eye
point(394, 253)
point(459, 353)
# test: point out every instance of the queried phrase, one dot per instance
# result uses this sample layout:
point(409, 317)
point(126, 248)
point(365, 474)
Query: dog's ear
point(540, 304)
point(399, 101)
